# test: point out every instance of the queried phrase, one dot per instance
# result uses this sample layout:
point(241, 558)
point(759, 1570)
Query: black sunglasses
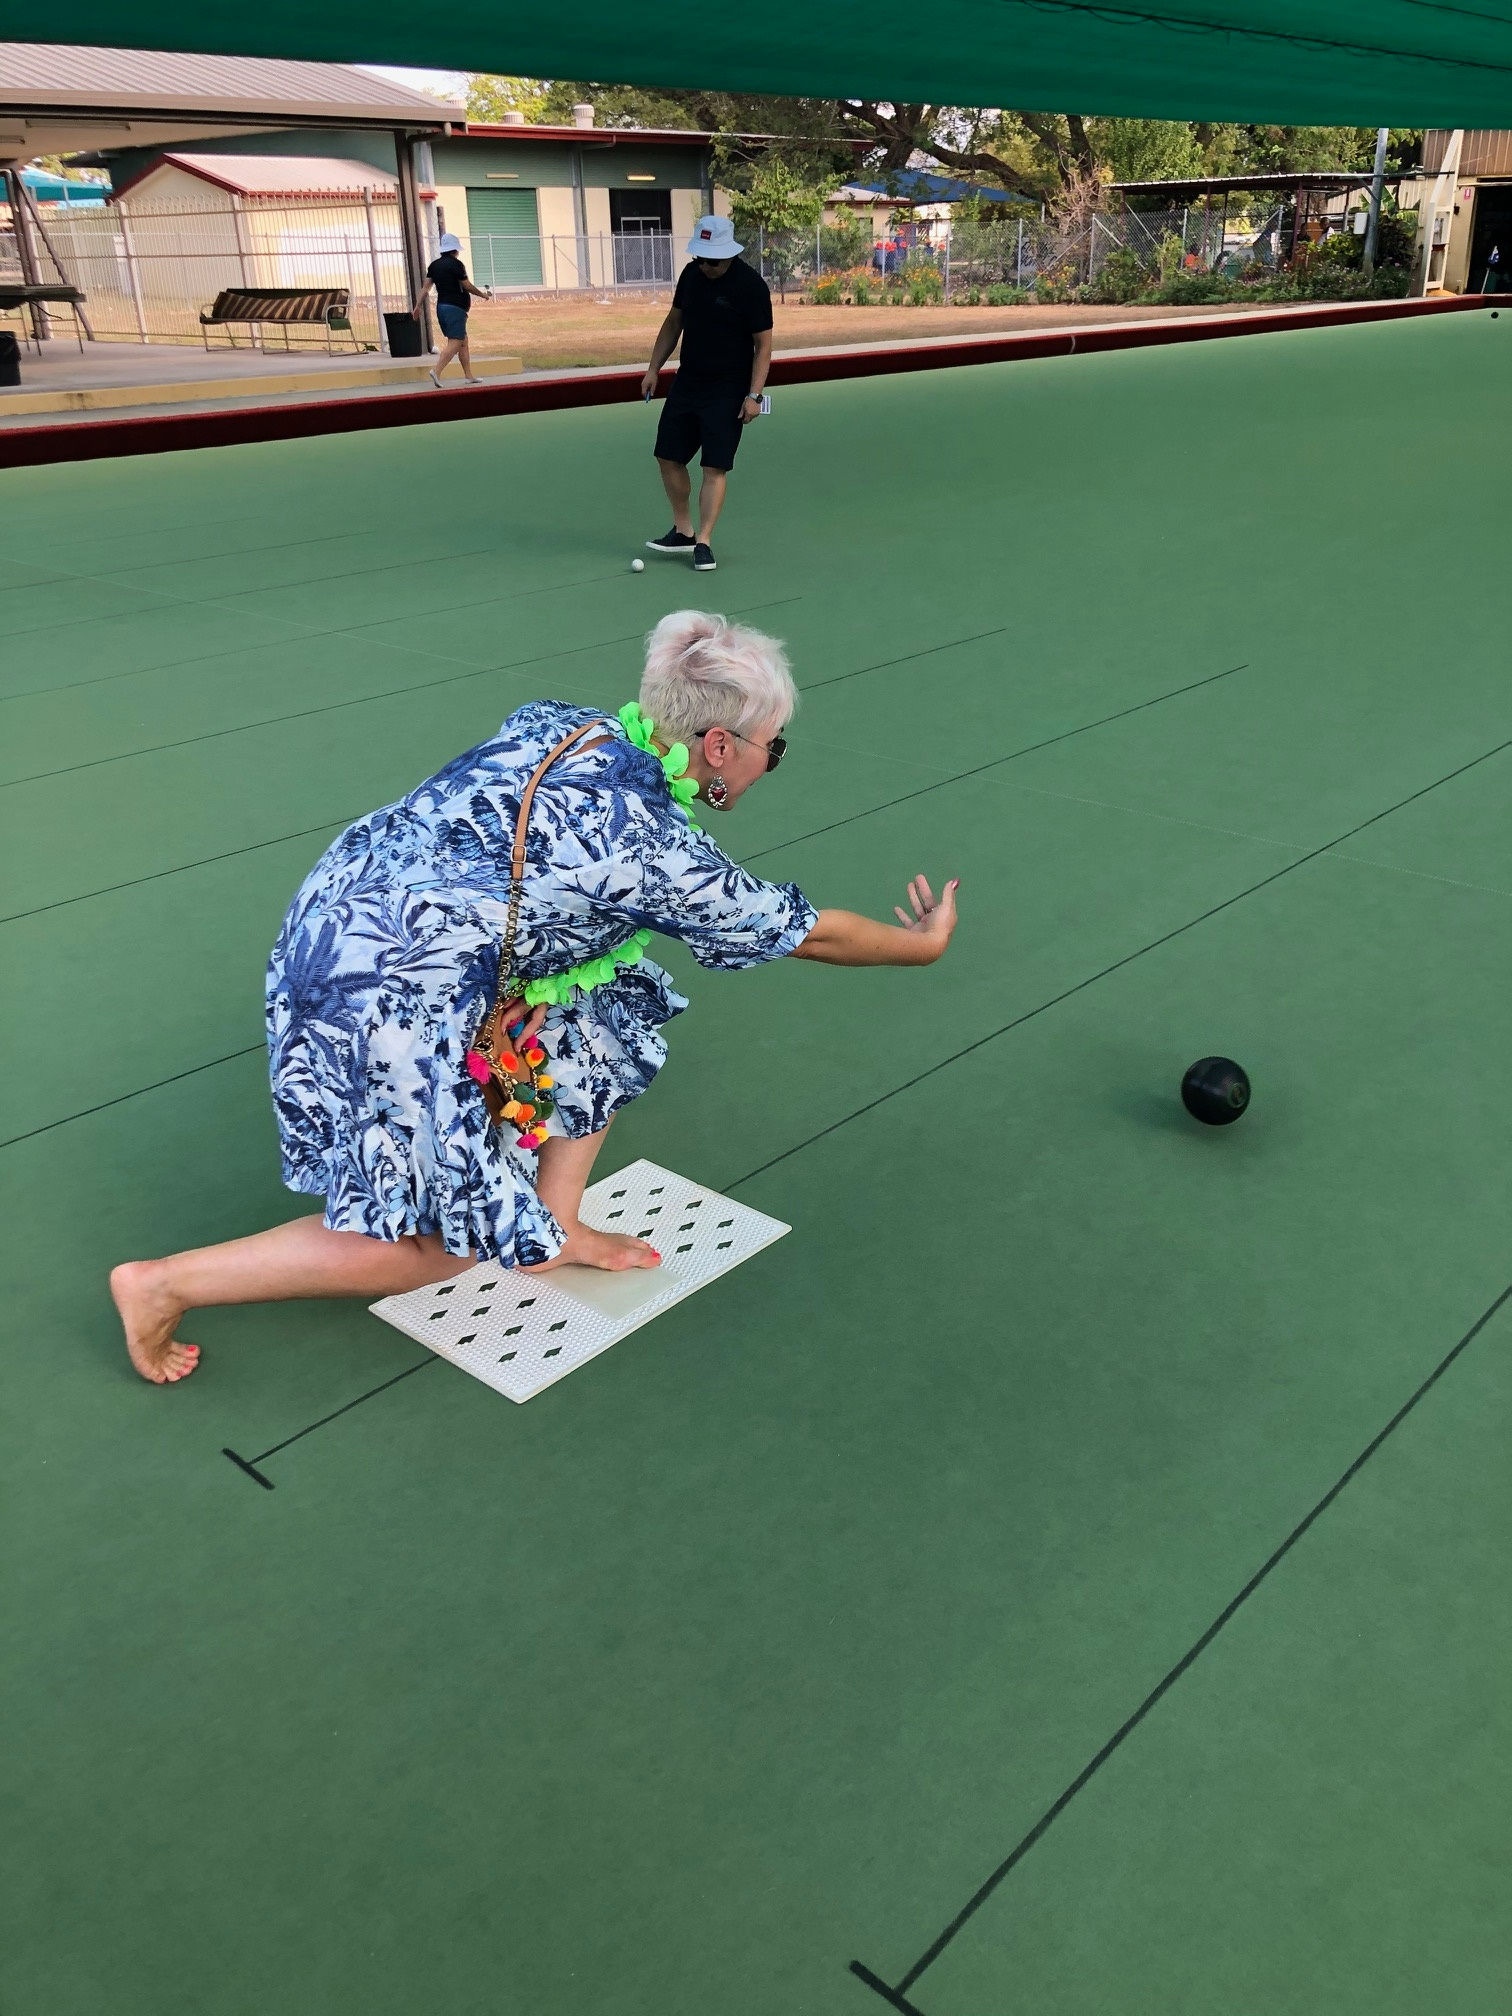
point(776, 749)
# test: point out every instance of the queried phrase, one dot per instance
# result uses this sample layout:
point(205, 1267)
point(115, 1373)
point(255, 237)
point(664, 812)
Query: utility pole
point(1377, 179)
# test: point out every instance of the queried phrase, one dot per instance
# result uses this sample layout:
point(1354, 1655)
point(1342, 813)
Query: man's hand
point(750, 407)
point(648, 382)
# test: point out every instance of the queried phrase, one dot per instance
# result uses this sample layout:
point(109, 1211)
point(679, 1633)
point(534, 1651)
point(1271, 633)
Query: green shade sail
point(1334, 62)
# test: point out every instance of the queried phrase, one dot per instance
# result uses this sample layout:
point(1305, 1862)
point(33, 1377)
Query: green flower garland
point(640, 728)
point(557, 989)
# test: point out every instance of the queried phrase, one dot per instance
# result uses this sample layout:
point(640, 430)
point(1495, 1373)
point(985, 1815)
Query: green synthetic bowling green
point(760, 1645)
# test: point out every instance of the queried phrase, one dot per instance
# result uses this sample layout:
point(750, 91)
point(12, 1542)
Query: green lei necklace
point(557, 989)
point(640, 728)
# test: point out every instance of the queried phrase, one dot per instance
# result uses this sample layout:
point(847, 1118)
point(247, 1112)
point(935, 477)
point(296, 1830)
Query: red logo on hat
point(706, 234)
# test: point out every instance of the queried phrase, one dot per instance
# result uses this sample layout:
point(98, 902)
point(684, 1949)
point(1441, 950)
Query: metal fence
point(547, 264)
point(149, 269)
point(951, 260)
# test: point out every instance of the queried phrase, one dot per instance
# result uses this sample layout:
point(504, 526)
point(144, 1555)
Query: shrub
point(926, 287)
point(1191, 290)
point(861, 292)
point(1007, 297)
point(847, 243)
point(1055, 287)
point(1396, 239)
point(829, 293)
point(1121, 277)
point(1169, 255)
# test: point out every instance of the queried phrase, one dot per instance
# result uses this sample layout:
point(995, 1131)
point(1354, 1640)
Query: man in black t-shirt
point(722, 314)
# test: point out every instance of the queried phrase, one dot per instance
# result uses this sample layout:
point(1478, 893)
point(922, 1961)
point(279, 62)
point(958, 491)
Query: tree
point(1049, 155)
point(776, 200)
point(489, 98)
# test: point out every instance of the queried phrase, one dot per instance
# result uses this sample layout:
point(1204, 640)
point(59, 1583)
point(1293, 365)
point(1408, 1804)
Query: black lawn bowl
point(1215, 1091)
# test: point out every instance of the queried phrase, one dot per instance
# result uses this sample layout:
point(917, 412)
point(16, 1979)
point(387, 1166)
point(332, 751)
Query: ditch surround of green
point(755, 1647)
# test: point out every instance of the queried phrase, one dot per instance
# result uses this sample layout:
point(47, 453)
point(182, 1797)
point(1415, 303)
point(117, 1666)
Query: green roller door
point(506, 237)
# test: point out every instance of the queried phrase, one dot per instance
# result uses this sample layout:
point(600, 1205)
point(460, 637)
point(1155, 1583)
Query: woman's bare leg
point(290, 1262)
point(560, 1182)
point(451, 347)
point(464, 353)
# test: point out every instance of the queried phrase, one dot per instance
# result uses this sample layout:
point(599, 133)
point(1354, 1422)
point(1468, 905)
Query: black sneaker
point(703, 560)
point(672, 542)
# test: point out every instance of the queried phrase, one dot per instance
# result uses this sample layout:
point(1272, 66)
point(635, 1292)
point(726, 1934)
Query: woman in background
point(446, 278)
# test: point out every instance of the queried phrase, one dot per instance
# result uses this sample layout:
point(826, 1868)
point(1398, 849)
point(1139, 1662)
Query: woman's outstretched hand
point(933, 919)
point(841, 938)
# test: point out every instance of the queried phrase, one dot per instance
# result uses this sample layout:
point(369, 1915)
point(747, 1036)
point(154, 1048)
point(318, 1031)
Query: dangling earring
point(717, 791)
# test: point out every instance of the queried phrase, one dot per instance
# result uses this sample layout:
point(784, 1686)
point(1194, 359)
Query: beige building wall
point(1461, 230)
point(171, 185)
point(451, 206)
point(600, 250)
point(687, 208)
point(879, 215)
point(557, 211)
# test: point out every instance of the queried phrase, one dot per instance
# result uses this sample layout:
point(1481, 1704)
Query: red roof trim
point(609, 136)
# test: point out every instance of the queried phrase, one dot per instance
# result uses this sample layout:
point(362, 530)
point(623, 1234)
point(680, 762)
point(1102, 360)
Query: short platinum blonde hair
point(706, 672)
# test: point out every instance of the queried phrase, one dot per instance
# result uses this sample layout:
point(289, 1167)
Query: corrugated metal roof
point(59, 73)
point(279, 174)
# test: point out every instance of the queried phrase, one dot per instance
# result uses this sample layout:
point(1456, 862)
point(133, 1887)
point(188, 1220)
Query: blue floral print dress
point(389, 956)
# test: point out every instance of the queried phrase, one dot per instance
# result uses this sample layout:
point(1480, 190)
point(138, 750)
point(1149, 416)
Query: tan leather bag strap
point(517, 857)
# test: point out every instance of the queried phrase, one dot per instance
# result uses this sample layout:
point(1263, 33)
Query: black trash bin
point(10, 359)
point(403, 336)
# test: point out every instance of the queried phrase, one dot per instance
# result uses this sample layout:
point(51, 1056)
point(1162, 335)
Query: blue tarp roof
point(47, 188)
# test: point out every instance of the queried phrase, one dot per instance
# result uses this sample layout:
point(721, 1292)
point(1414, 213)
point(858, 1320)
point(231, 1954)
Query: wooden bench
point(285, 308)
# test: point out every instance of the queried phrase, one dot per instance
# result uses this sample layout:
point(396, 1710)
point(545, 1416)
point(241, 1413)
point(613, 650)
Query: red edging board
point(157, 434)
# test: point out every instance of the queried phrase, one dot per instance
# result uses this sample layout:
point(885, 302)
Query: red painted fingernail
point(653, 1249)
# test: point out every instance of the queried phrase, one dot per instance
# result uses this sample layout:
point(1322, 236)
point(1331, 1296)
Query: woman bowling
point(459, 1001)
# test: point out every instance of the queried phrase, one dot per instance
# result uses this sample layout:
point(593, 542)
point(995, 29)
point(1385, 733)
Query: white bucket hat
point(713, 238)
point(451, 243)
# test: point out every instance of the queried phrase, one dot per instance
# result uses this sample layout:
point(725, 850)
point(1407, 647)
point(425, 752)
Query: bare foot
point(614, 1252)
point(149, 1316)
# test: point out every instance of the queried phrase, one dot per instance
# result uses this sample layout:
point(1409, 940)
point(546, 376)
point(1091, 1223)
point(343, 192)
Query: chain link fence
point(950, 260)
point(149, 269)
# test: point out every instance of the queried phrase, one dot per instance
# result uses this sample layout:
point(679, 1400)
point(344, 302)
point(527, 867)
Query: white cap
point(713, 238)
point(450, 243)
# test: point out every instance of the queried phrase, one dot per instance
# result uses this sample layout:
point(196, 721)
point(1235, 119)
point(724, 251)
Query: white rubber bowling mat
point(521, 1333)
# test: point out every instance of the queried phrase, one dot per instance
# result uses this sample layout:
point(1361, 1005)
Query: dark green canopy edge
point(1295, 62)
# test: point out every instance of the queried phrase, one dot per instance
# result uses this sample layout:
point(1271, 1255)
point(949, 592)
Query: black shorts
point(701, 416)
